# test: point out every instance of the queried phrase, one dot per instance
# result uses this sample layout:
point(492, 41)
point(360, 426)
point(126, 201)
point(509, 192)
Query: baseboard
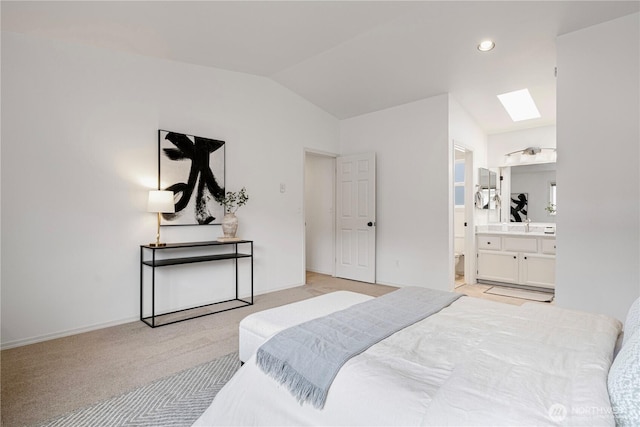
point(393, 285)
point(318, 271)
point(67, 333)
point(280, 288)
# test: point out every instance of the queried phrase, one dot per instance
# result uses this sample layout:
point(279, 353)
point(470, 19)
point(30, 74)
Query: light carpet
point(177, 400)
point(521, 293)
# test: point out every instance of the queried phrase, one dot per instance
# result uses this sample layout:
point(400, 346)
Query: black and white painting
point(519, 207)
point(193, 168)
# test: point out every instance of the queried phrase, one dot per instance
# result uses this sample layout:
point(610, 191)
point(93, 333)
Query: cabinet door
point(548, 246)
point(498, 266)
point(538, 270)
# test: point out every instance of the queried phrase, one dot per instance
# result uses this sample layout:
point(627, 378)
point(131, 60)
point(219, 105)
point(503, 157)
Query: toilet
point(459, 264)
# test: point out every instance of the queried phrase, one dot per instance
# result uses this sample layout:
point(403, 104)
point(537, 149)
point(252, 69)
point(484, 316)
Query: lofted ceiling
point(347, 57)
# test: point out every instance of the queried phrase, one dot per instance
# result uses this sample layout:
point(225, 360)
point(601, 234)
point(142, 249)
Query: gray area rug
point(177, 400)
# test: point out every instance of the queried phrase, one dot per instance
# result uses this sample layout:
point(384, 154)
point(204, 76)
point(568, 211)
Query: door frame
point(469, 216)
point(470, 235)
point(312, 152)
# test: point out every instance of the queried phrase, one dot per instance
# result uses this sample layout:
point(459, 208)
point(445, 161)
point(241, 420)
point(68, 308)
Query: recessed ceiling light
point(486, 45)
point(519, 104)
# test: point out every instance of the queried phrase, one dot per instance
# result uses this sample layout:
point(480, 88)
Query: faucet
point(526, 225)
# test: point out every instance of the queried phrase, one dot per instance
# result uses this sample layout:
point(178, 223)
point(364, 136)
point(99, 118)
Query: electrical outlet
point(283, 187)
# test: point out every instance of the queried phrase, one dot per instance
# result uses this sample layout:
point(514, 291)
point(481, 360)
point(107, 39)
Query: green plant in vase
point(231, 202)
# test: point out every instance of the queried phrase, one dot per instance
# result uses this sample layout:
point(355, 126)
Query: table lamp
point(160, 202)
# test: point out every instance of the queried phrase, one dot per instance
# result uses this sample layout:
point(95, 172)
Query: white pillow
point(632, 324)
point(624, 383)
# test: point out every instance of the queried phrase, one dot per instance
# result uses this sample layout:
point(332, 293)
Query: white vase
point(229, 225)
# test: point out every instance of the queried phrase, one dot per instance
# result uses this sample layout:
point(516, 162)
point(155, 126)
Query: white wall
point(320, 172)
point(79, 152)
point(465, 132)
point(598, 162)
point(499, 144)
point(413, 157)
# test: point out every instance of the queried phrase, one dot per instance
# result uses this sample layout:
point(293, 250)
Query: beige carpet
point(44, 380)
point(52, 378)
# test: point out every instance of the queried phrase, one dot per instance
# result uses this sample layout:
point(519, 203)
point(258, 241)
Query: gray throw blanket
point(307, 357)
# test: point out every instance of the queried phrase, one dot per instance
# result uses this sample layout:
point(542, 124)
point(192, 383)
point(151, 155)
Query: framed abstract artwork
point(193, 168)
point(519, 207)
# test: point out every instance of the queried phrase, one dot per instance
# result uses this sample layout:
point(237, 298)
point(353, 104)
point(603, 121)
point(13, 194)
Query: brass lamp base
point(157, 243)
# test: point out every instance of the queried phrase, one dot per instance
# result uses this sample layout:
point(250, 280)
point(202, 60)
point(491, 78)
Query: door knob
point(370, 224)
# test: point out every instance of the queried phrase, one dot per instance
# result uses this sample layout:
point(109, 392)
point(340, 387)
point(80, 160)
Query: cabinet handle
point(515, 257)
point(488, 243)
point(525, 257)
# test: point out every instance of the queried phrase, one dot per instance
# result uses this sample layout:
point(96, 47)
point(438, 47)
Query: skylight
point(519, 105)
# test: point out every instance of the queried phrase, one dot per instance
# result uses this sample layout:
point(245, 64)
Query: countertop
point(518, 233)
point(537, 230)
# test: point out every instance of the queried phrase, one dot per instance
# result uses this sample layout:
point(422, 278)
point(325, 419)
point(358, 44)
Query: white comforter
point(476, 362)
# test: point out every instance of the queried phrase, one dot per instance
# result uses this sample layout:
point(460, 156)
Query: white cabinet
point(548, 246)
point(498, 266)
point(521, 260)
point(520, 244)
point(538, 270)
point(493, 243)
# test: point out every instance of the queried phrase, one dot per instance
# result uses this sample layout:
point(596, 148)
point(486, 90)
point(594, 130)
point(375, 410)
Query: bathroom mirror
point(533, 192)
point(487, 183)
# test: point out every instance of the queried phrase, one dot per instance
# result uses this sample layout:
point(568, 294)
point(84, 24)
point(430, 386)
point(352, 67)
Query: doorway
point(340, 245)
point(319, 212)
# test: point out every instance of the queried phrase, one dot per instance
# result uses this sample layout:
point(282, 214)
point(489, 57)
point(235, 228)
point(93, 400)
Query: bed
point(475, 362)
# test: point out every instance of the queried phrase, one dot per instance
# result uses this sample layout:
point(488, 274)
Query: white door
point(356, 217)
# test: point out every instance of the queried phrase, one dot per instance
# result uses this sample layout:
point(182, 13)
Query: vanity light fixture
point(520, 105)
point(531, 155)
point(160, 202)
point(486, 45)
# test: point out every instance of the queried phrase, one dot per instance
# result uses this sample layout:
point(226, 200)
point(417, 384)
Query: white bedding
point(476, 362)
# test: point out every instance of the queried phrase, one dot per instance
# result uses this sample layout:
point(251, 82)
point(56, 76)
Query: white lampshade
point(161, 201)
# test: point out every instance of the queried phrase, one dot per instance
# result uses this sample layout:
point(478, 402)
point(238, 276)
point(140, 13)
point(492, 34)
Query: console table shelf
point(190, 260)
point(155, 319)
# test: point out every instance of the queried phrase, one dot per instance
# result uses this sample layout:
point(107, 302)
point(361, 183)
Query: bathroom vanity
point(508, 254)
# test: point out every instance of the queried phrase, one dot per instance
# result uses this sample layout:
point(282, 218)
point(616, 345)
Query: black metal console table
point(154, 262)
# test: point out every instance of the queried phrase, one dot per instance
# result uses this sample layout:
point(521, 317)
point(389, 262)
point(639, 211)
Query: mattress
point(256, 328)
point(476, 362)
